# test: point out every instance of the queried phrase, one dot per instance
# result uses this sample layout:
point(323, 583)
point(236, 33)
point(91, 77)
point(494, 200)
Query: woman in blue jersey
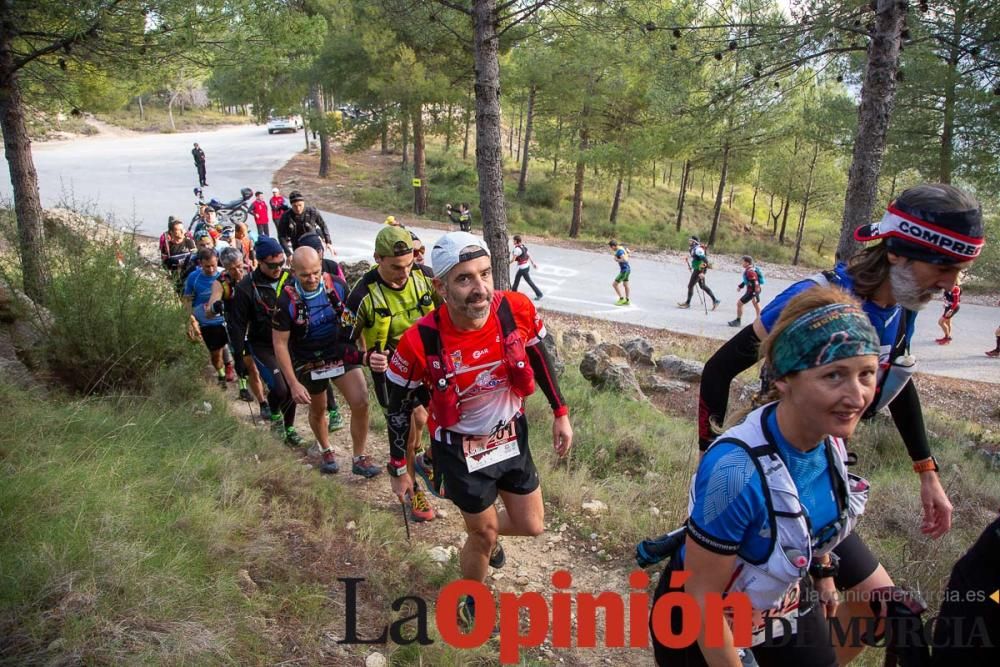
point(772, 497)
point(929, 235)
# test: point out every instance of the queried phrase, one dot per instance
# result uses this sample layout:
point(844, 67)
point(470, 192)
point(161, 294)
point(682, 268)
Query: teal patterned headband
point(822, 336)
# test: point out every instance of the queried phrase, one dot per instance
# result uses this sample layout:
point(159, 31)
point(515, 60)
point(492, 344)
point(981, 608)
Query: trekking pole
point(701, 294)
point(252, 416)
point(406, 522)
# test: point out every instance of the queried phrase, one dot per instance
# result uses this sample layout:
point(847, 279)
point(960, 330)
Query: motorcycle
point(228, 214)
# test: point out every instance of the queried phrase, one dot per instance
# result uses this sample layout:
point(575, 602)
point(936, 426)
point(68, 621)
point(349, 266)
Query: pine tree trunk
point(23, 179)
point(419, 160)
point(522, 181)
point(447, 131)
point(628, 181)
point(720, 194)
point(316, 93)
point(555, 153)
point(669, 178)
point(405, 132)
point(805, 205)
point(617, 200)
point(753, 205)
point(702, 195)
point(878, 93)
point(581, 170)
point(142, 112)
point(682, 194)
point(947, 147)
point(788, 194)
point(489, 147)
point(384, 140)
point(732, 193)
point(652, 181)
point(520, 126)
point(774, 215)
point(465, 139)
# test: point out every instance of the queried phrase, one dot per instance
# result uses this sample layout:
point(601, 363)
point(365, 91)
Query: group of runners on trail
point(773, 505)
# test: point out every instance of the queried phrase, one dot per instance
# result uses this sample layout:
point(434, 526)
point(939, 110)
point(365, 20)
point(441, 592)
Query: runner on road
point(699, 265)
point(313, 349)
point(751, 281)
point(479, 355)
point(621, 254)
point(929, 235)
point(383, 304)
point(952, 302)
point(524, 265)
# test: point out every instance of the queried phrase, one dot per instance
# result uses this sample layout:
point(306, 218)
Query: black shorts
point(318, 386)
point(748, 297)
point(474, 492)
point(950, 312)
point(857, 562)
point(215, 337)
point(811, 645)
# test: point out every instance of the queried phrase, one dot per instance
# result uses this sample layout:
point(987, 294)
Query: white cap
point(447, 251)
point(274, 191)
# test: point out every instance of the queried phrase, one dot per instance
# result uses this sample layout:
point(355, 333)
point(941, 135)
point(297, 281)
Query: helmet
point(246, 192)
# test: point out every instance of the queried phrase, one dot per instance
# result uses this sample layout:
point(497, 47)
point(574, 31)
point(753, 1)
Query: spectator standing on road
point(462, 218)
point(751, 281)
point(299, 221)
point(524, 265)
point(199, 163)
point(259, 208)
point(952, 302)
point(278, 206)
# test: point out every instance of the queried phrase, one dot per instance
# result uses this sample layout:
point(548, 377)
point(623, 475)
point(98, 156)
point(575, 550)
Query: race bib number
point(482, 451)
point(328, 372)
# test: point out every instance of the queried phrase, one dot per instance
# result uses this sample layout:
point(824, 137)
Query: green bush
point(546, 193)
point(115, 322)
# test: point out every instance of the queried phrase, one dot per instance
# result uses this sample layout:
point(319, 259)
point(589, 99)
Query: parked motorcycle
point(228, 214)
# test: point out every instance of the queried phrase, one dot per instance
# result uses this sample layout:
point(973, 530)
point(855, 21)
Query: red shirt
point(259, 208)
point(480, 374)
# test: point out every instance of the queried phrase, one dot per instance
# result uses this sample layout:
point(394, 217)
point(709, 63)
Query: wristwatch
point(819, 571)
point(926, 465)
point(396, 467)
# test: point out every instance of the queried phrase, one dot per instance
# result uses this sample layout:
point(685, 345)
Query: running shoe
point(230, 373)
point(734, 323)
point(715, 304)
point(222, 382)
point(426, 471)
point(277, 423)
point(365, 467)
point(467, 616)
point(497, 556)
point(420, 507)
point(329, 465)
point(944, 340)
point(538, 297)
point(683, 304)
point(993, 353)
point(292, 437)
point(621, 302)
point(265, 411)
point(245, 395)
point(336, 421)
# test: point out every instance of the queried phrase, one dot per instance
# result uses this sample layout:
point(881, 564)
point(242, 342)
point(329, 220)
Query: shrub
point(546, 193)
point(115, 322)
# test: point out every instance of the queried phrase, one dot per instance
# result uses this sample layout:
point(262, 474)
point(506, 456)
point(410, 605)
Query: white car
point(284, 124)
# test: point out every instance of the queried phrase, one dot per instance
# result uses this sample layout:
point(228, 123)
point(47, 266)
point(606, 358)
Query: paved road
point(146, 177)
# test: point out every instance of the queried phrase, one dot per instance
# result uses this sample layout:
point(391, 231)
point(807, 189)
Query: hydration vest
point(524, 258)
point(445, 401)
point(300, 309)
point(768, 582)
point(892, 376)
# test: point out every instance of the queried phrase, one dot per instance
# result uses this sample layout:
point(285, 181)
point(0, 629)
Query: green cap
point(393, 242)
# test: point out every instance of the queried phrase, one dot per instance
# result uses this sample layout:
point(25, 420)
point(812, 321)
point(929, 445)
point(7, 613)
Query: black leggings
point(526, 275)
point(809, 646)
point(698, 278)
point(279, 397)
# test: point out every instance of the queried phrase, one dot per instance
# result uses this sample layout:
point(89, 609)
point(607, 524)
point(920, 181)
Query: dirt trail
point(530, 561)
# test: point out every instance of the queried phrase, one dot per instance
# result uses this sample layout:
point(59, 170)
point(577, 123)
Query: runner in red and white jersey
point(479, 355)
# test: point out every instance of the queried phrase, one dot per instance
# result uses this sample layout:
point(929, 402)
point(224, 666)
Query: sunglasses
point(274, 266)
